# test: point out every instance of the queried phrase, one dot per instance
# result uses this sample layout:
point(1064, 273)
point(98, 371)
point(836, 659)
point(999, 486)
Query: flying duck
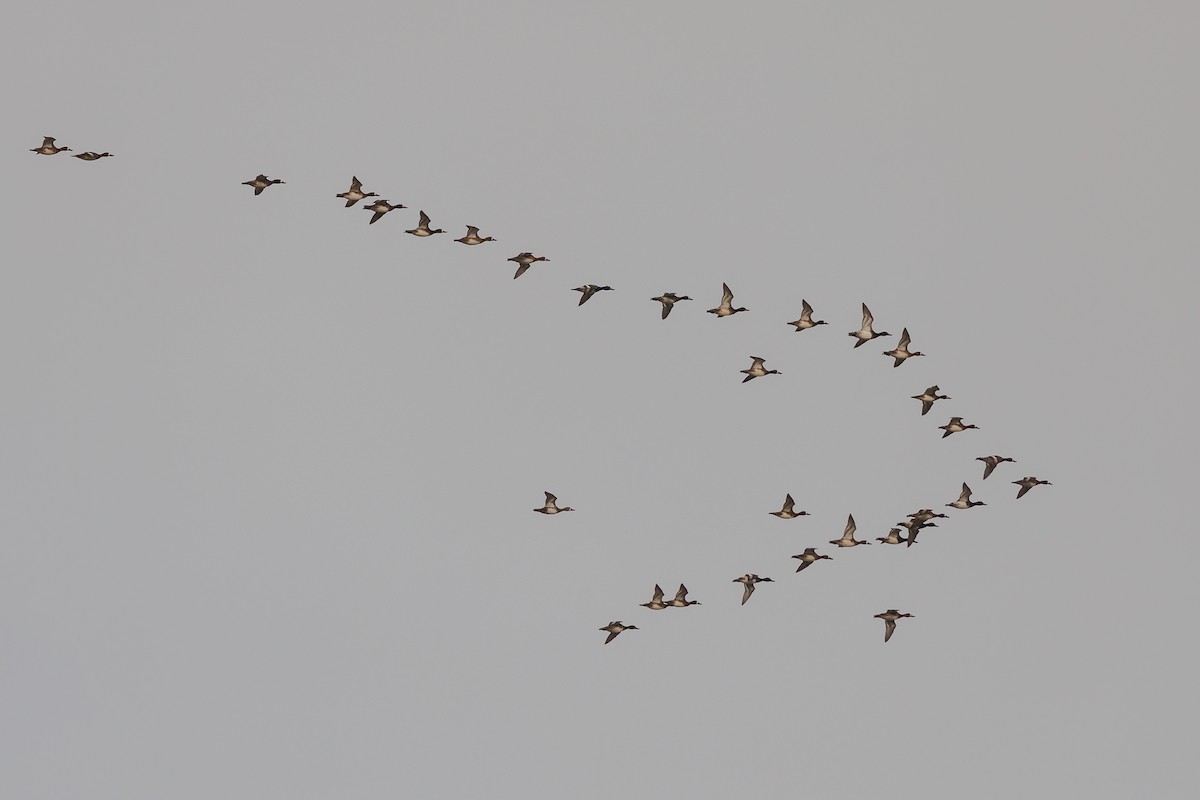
point(423, 228)
point(806, 321)
point(473, 236)
point(756, 370)
point(928, 397)
point(726, 308)
point(964, 500)
point(615, 628)
point(991, 462)
point(668, 300)
point(656, 602)
point(954, 426)
point(749, 580)
point(889, 618)
point(809, 557)
point(48, 148)
point(1028, 483)
point(865, 333)
point(902, 352)
point(524, 261)
point(379, 208)
point(893, 537)
point(925, 514)
point(789, 505)
point(914, 527)
point(681, 600)
point(551, 506)
point(261, 182)
point(355, 192)
point(848, 539)
point(589, 290)
point(91, 156)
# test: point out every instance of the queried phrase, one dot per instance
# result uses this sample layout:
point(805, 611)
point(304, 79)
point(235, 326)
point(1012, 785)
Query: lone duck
point(889, 618)
point(810, 557)
point(757, 370)
point(848, 539)
point(261, 182)
point(964, 500)
point(615, 628)
point(551, 506)
point(423, 228)
point(865, 333)
point(991, 462)
point(954, 426)
point(589, 290)
point(473, 236)
point(902, 352)
point(893, 537)
point(1028, 483)
point(91, 156)
point(48, 148)
point(525, 261)
point(806, 321)
point(379, 208)
point(355, 192)
point(656, 602)
point(748, 580)
point(681, 600)
point(726, 308)
point(668, 300)
point(789, 505)
point(928, 397)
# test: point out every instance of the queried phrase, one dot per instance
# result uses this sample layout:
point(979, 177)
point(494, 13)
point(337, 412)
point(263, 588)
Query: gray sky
point(268, 471)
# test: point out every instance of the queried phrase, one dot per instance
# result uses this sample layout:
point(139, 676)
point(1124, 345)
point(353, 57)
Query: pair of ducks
point(866, 333)
point(889, 617)
point(724, 309)
point(656, 602)
point(48, 148)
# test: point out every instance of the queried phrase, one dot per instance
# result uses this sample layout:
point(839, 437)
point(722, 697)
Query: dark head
point(604, 289)
point(766, 580)
point(882, 333)
point(635, 627)
point(820, 322)
point(439, 230)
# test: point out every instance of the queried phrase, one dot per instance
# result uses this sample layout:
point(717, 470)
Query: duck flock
point(904, 533)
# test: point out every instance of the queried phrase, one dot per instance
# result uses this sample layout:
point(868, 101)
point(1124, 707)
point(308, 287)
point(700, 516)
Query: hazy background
point(267, 472)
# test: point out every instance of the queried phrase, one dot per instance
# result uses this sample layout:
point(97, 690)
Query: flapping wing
point(904, 340)
point(424, 223)
point(988, 466)
point(749, 590)
point(867, 318)
point(889, 627)
point(520, 271)
point(850, 528)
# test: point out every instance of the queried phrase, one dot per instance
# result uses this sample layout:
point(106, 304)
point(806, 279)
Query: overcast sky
point(267, 472)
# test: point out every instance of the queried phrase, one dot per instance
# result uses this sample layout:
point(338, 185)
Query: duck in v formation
point(901, 353)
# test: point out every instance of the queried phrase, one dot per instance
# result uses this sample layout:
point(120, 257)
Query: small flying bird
point(423, 228)
point(789, 505)
point(964, 500)
point(757, 370)
point(902, 352)
point(806, 321)
point(810, 557)
point(681, 600)
point(954, 426)
point(726, 308)
point(551, 506)
point(656, 602)
point(928, 397)
point(893, 537)
point(525, 261)
point(91, 156)
point(749, 580)
point(615, 628)
point(668, 300)
point(48, 148)
point(1028, 483)
point(261, 182)
point(473, 236)
point(923, 515)
point(865, 333)
point(889, 618)
point(848, 539)
point(379, 208)
point(355, 192)
point(991, 462)
point(589, 290)
point(914, 527)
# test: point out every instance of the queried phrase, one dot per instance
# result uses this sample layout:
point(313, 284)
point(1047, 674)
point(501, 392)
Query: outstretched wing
point(889, 627)
point(904, 340)
point(749, 590)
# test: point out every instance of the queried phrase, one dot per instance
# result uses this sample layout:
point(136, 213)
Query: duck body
point(379, 208)
point(889, 618)
point(789, 508)
point(551, 506)
point(48, 147)
point(91, 156)
point(656, 602)
point(681, 600)
point(810, 557)
point(991, 462)
point(524, 261)
point(748, 581)
point(893, 537)
point(1028, 483)
point(616, 628)
point(964, 500)
point(955, 425)
point(473, 237)
point(928, 397)
point(726, 309)
point(901, 353)
point(355, 192)
point(588, 290)
point(866, 333)
point(757, 370)
point(848, 539)
point(423, 228)
point(261, 182)
point(806, 321)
